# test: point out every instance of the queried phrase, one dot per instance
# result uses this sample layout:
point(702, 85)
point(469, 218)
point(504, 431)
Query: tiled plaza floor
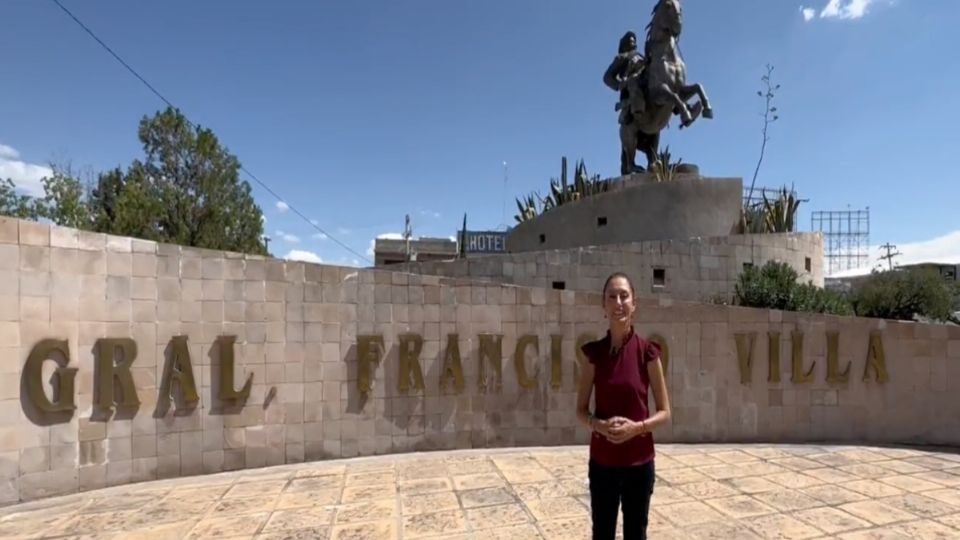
point(708, 492)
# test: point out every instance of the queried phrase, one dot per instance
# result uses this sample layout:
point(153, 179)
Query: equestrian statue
point(653, 87)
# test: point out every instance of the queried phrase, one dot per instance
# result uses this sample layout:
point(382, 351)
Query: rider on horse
point(628, 66)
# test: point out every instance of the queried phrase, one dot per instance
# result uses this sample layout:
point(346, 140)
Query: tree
point(905, 294)
point(14, 204)
point(203, 202)
point(187, 190)
point(65, 200)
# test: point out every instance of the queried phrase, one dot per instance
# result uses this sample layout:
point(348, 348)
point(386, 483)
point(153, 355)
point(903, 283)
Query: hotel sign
point(486, 242)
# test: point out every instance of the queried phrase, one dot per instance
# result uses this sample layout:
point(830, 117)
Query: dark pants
point(612, 486)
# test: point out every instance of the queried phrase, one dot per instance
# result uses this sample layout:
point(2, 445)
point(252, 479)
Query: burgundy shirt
point(621, 385)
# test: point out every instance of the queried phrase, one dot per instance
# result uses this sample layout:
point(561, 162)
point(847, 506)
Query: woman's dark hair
point(614, 276)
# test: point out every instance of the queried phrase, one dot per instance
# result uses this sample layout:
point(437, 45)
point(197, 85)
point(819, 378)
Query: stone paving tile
point(702, 492)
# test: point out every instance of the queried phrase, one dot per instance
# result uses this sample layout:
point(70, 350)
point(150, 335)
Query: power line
point(192, 125)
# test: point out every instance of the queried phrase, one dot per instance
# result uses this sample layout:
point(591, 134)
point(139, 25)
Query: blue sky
point(359, 112)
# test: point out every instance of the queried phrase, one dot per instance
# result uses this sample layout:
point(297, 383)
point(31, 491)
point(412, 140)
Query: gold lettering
point(773, 357)
point(411, 345)
point(451, 365)
point(664, 351)
point(179, 369)
point(798, 376)
point(834, 376)
point(61, 408)
point(369, 350)
point(491, 349)
point(745, 355)
point(876, 359)
point(525, 381)
point(107, 372)
point(225, 391)
point(556, 361)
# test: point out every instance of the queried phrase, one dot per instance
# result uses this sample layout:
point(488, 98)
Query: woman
point(622, 367)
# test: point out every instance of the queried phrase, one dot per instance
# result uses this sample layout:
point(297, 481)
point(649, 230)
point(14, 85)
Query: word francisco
point(875, 361)
point(370, 351)
point(113, 384)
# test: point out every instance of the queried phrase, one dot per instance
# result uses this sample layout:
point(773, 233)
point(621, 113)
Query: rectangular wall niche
point(659, 277)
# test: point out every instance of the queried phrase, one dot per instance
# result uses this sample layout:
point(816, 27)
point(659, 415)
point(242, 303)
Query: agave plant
point(561, 192)
point(527, 207)
point(663, 169)
point(585, 186)
point(754, 220)
point(780, 214)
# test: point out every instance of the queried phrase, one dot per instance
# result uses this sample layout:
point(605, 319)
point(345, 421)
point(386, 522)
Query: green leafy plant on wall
point(776, 286)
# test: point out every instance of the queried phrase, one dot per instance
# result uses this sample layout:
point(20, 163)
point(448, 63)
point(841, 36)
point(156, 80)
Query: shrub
point(775, 286)
point(905, 294)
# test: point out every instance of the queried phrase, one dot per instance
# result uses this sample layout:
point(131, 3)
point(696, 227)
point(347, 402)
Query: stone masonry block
point(34, 234)
point(9, 230)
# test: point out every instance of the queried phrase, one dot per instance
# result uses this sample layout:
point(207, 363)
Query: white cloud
point(26, 176)
point(320, 236)
point(282, 206)
point(943, 249)
point(430, 213)
point(8, 152)
point(288, 238)
point(847, 9)
point(301, 255)
point(808, 13)
point(343, 230)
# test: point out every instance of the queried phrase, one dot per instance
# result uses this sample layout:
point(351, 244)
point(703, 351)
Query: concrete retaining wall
point(699, 269)
point(635, 212)
point(332, 356)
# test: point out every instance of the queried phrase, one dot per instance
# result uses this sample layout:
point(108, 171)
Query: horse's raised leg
point(679, 103)
point(686, 92)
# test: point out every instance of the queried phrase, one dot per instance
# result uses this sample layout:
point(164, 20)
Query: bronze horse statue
point(655, 89)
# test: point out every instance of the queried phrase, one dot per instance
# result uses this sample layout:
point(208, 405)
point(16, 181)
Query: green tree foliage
point(775, 286)
point(65, 201)
point(14, 204)
point(904, 294)
point(187, 190)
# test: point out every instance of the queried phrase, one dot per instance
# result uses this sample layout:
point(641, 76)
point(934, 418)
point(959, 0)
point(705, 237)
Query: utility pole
point(503, 214)
point(890, 254)
point(407, 233)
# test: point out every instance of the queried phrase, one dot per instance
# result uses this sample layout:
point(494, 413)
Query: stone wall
point(698, 269)
point(636, 211)
point(309, 339)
